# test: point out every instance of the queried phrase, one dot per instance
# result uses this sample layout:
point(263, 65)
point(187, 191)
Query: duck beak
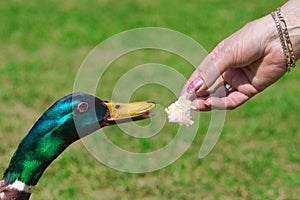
point(122, 112)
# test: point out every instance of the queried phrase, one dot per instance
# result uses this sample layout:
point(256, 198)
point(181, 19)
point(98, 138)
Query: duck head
point(66, 121)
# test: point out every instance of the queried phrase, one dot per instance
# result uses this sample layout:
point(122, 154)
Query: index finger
point(202, 78)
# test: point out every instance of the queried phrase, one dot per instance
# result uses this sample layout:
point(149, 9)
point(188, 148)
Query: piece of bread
point(180, 112)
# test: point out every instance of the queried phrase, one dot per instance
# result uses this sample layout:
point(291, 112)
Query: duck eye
point(117, 106)
point(83, 107)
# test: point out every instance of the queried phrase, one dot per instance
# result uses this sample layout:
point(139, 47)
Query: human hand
point(249, 60)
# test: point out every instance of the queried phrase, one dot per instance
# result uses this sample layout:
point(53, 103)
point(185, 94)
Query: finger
point(196, 85)
point(192, 84)
point(199, 105)
point(203, 77)
point(241, 80)
point(208, 71)
point(230, 102)
point(217, 88)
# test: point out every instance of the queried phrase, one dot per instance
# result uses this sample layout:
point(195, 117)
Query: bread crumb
point(180, 112)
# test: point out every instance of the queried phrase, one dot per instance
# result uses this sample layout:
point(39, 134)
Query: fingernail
point(194, 85)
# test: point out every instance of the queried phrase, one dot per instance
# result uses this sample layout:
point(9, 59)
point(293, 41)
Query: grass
point(42, 47)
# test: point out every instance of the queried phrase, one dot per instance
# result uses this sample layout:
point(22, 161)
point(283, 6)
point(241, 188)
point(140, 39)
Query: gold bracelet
point(284, 39)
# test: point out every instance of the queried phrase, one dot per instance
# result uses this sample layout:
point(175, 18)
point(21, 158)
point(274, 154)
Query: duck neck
point(36, 152)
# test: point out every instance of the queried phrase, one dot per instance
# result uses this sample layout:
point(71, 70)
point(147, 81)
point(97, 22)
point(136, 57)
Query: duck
point(66, 121)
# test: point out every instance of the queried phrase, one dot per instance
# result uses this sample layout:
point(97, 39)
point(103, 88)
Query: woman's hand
point(246, 62)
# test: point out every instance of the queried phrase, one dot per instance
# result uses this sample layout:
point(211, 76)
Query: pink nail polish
point(194, 85)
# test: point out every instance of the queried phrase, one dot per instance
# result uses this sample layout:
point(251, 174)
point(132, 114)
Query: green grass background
point(42, 46)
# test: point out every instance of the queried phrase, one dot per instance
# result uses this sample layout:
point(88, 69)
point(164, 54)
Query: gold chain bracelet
point(284, 39)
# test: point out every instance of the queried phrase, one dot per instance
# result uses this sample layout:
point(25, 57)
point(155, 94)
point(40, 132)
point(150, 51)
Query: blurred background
point(43, 45)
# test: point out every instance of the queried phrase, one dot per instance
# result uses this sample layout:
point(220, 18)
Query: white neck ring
point(20, 186)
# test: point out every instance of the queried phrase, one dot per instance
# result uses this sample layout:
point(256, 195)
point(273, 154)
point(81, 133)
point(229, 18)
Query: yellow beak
point(125, 112)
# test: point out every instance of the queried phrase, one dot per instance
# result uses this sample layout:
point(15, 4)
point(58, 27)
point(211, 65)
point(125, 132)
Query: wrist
point(291, 14)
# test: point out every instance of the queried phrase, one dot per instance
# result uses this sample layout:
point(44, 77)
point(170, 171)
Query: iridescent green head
point(67, 120)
